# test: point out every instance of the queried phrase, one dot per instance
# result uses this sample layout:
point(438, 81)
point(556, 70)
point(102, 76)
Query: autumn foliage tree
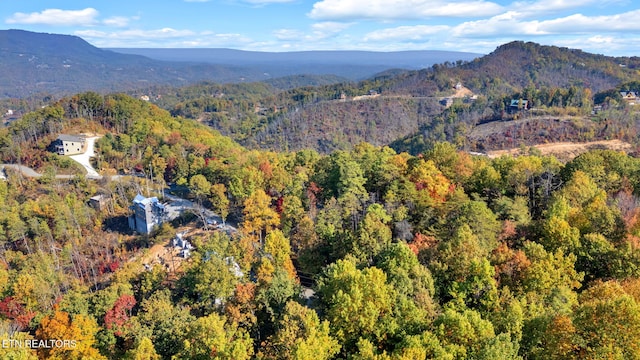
point(300, 335)
point(61, 326)
point(117, 317)
point(259, 217)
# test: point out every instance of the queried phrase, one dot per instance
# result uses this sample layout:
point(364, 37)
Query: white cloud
point(319, 31)
point(250, 2)
point(598, 44)
point(330, 26)
point(84, 17)
point(542, 7)
point(548, 6)
point(505, 24)
point(401, 9)
point(117, 21)
point(405, 33)
point(164, 33)
point(579, 23)
point(323, 30)
point(511, 23)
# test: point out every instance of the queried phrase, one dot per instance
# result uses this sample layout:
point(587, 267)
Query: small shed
point(99, 202)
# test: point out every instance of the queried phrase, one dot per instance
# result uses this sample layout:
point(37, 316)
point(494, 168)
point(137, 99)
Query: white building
point(70, 144)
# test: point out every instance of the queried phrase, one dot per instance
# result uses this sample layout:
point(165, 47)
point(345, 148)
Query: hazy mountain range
point(50, 63)
point(313, 62)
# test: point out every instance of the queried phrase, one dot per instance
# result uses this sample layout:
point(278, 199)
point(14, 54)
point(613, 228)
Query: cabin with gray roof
point(70, 144)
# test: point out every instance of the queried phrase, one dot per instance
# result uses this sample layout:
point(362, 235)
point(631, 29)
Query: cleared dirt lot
point(568, 150)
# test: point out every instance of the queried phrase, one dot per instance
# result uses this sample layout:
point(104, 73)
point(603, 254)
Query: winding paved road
point(26, 171)
point(29, 172)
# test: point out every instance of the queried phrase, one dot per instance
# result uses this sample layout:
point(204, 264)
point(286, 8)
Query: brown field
point(568, 150)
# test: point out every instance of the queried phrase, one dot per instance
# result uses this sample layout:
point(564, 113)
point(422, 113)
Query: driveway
point(84, 159)
point(176, 205)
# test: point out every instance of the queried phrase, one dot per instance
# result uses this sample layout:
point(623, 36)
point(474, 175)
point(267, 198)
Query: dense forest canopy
point(367, 253)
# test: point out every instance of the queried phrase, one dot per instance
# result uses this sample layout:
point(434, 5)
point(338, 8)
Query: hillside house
point(518, 105)
point(69, 144)
point(631, 97)
point(148, 213)
point(446, 102)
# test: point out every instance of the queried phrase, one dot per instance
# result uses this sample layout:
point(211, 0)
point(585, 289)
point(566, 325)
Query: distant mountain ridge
point(25, 43)
point(417, 59)
point(32, 63)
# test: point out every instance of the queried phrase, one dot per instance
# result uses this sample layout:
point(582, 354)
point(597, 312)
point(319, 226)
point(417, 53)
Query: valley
point(480, 208)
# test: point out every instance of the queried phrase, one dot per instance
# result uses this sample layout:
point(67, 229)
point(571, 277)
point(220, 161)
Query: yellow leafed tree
point(80, 330)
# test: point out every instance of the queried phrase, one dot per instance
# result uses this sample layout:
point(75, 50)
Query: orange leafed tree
point(61, 326)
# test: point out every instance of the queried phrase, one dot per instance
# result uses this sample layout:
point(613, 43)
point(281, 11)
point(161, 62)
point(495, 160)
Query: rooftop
point(74, 138)
point(144, 201)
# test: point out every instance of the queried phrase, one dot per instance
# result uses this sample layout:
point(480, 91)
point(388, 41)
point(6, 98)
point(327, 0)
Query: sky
point(610, 27)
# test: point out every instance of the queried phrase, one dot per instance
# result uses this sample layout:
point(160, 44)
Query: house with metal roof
point(147, 214)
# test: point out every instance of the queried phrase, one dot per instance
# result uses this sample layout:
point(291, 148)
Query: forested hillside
point(412, 109)
point(517, 65)
point(555, 114)
point(360, 254)
point(338, 125)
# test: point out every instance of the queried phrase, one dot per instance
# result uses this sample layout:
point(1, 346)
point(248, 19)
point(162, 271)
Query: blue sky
point(610, 27)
